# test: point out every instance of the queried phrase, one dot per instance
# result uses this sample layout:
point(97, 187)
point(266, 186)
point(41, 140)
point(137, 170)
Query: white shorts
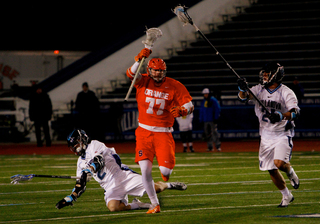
point(274, 149)
point(131, 185)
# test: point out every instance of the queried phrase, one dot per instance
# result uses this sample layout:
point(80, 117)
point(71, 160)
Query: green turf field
point(222, 188)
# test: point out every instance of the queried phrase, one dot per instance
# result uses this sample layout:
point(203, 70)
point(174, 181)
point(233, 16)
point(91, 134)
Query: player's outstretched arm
point(79, 189)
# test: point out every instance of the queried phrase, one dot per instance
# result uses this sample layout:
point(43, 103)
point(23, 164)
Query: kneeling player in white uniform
point(276, 128)
point(115, 178)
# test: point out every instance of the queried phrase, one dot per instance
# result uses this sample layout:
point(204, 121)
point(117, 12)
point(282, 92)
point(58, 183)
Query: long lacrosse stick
point(152, 35)
point(183, 16)
point(19, 177)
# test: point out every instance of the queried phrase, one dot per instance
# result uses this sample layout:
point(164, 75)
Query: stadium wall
point(114, 66)
point(119, 120)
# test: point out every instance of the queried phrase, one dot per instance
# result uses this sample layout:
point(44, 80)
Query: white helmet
point(205, 91)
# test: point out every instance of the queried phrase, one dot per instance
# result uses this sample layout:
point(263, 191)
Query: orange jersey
point(154, 103)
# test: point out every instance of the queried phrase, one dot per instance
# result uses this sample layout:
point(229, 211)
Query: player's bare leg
point(277, 179)
point(280, 183)
point(287, 168)
point(161, 186)
point(116, 206)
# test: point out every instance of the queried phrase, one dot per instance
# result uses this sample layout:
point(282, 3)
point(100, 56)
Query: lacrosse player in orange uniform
point(160, 99)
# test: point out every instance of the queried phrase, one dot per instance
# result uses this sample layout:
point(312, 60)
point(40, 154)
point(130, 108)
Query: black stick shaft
point(229, 66)
point(54, 176)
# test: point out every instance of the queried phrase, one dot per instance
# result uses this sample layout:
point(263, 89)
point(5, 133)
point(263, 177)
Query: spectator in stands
point(15, 89)
point(88, 107)
point(40, 112)
point(185, 128)
point(1, 83)
point(209, 114)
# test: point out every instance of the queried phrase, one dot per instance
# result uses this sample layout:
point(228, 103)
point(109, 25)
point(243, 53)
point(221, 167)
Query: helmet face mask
point(157, 69)
point(78, 142)
point(157, 75)
point(271, 73)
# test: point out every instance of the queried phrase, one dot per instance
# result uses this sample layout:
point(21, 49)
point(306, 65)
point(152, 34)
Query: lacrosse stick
point(183, 16)
point(19, 177)
point(152, 35)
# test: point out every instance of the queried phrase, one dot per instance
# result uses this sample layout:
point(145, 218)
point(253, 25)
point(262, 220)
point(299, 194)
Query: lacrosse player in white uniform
point(276, 128)
point(185, 128)
point(104, 164)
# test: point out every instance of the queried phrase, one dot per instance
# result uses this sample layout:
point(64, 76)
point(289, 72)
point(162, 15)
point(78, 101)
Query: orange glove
point(144, 53)
point(178, 111)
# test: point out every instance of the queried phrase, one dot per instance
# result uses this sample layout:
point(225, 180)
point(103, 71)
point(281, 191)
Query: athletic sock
point(154, 199)
point(285, 192)
point(290, 171)
point(148, 183)
point(134, 206)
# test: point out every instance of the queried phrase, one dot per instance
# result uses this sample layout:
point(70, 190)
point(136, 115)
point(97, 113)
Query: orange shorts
point(159, 144)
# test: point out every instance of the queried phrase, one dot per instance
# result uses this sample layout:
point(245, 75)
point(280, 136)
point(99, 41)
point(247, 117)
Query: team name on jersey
point(272, 104)
point(157, 94)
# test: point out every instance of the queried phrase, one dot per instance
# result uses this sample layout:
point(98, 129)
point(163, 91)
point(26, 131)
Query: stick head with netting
point(182, 14)
point(152, 35)
point(19, 177)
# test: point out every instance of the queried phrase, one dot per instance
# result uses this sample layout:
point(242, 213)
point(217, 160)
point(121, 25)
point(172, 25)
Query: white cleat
point(294, 179)
point(141, 204)
point(178, 186)
point(286, 201)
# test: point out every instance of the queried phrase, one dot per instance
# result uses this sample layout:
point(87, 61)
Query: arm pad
point(80, 186)
point(98, 163)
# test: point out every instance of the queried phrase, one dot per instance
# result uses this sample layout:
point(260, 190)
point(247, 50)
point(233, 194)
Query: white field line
point(189, 184)
point(207, 157)
point(120, 214)
point(42, 158)
point(220, 175)
point(218, 157)
point(134, 165)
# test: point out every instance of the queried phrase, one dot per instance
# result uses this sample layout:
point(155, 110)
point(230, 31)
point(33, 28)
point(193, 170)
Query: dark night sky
point(50, 25)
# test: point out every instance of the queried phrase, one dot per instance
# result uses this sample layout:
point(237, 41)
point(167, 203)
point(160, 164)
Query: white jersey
point(116, 182)
point(104, 176)
point(280, 99)
point(185, 123)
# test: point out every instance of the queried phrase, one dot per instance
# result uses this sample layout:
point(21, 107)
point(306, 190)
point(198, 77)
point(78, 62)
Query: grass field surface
point(223, 187)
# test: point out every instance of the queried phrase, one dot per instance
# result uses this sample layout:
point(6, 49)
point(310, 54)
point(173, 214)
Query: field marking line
point(188, 195)
point(139, 213)
point(235, 193)
point(190, 184)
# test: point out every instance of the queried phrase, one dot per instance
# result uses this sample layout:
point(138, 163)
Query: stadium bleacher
point(283, 31)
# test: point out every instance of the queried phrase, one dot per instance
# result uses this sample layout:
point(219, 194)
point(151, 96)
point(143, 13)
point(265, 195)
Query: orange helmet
point(158, 65)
